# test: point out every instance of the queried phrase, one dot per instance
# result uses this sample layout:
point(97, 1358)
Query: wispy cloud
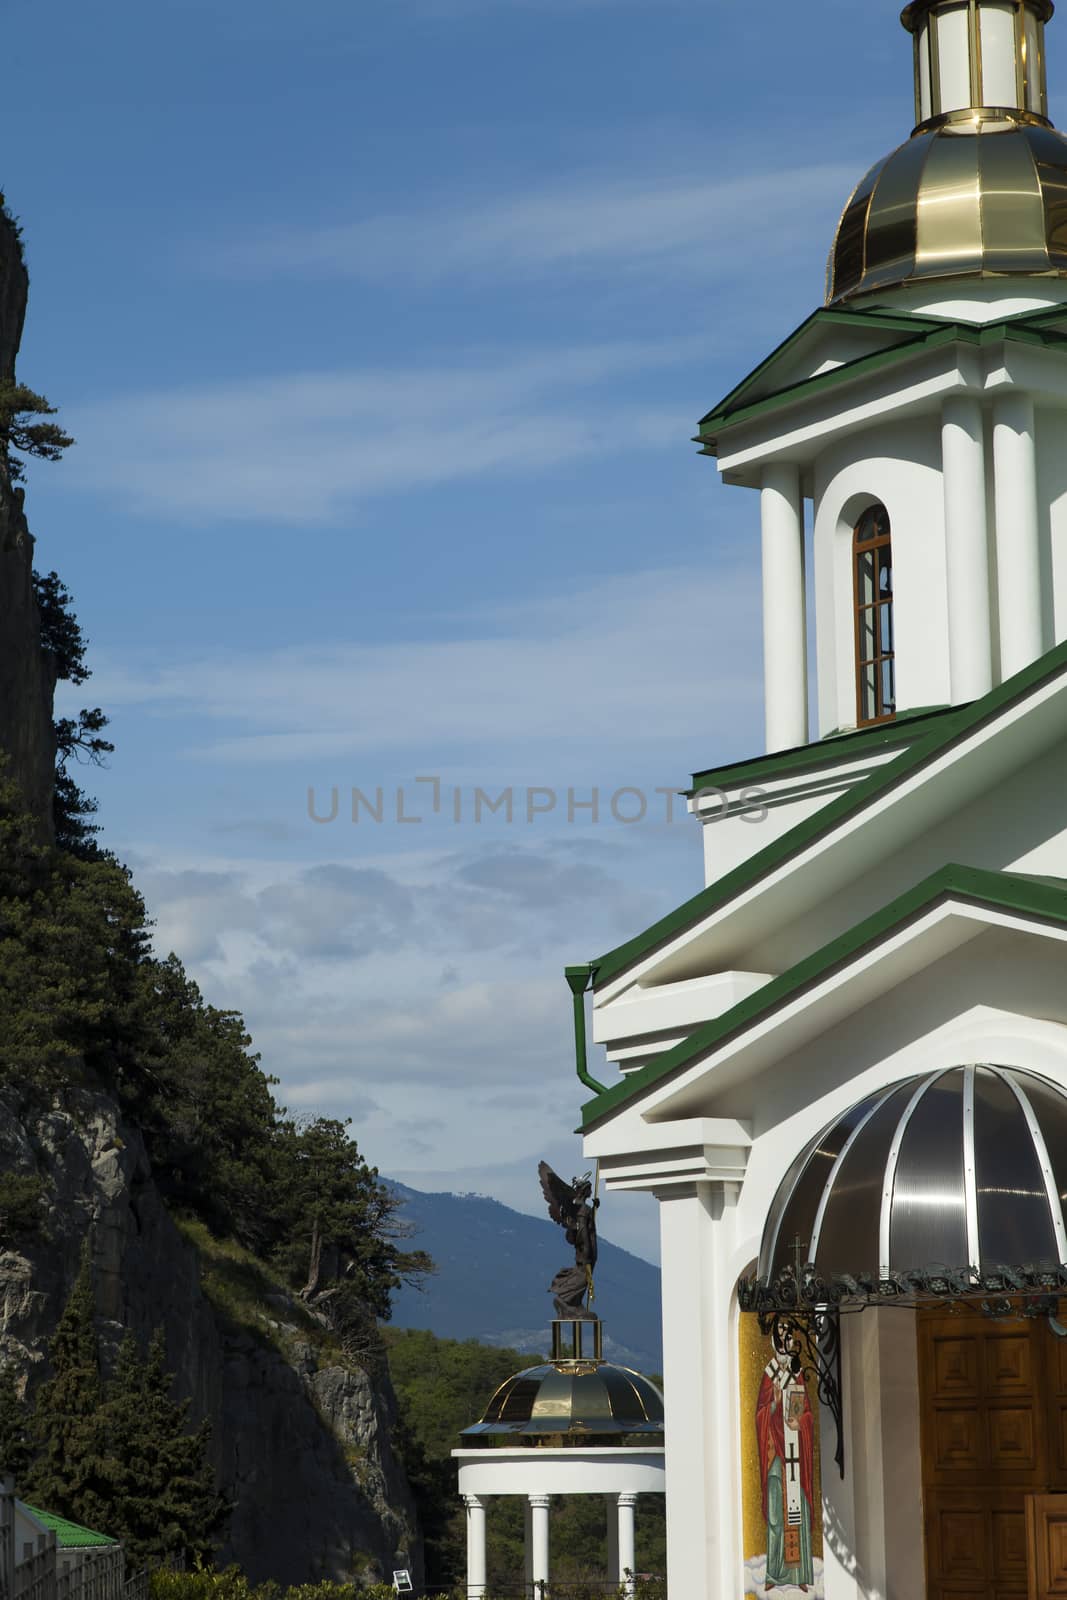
point(715, 227)
point(301, 447)
point(637, 645)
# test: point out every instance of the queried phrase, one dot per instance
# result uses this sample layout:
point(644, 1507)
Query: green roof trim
point(1031, 896)
point(835, 747)
point(823, 316)
point(69, 1535)
point(732, 409)
point(947, 730)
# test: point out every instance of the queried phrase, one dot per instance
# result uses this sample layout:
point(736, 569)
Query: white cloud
point(299, 448)
point(624, 665)
point(717, 228)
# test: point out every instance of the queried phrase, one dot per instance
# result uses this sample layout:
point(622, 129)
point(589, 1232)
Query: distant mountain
point(494, 1267)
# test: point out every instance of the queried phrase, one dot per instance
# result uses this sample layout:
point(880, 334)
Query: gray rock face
point(27, 679)
point(302, 1446)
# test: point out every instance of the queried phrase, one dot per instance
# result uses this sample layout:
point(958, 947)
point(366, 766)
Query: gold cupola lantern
point(979, 191)
point(979, 57)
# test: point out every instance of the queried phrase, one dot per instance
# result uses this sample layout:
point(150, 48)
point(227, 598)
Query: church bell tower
point(909, 440)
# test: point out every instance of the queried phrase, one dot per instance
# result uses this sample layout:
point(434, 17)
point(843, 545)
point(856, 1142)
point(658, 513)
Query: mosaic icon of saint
point(785, 1433)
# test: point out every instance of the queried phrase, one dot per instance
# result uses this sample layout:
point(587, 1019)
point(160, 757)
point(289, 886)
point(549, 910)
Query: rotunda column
point(539, 1504)
point(785, 644)
point(627, 1557)
point(1018, 532)
point(970, 642)
point(476, 1569)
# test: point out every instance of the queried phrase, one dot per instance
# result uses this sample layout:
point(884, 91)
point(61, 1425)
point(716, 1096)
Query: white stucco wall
point(898, 464)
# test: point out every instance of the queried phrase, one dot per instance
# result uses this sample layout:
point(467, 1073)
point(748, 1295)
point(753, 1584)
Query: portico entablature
point(906, 377)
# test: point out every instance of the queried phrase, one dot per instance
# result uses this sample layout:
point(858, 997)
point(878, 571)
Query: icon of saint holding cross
point(785, 1432)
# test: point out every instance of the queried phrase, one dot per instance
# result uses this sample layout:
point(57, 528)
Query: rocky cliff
point(27, 680)
point(301, 1439)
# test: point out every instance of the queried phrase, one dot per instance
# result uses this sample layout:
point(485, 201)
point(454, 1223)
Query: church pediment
point(827, 341)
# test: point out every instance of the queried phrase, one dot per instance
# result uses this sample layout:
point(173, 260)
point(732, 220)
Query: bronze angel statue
point(571, 1205)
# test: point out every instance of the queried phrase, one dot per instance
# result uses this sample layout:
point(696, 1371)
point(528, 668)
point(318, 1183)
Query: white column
point(970, 622)
point(527, 1546)
point(1018, 532)
point(539, 1504)
point(785, 648)
point(627, 1556)
point(476, 1578)
point(614, 1571)
point(700, 1389)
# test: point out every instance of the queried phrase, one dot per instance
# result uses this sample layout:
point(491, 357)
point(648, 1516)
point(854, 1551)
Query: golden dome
point(983, 195)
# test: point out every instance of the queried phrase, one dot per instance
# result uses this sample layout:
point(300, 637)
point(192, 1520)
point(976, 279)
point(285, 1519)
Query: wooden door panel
point(1013, 1445)
point(959, 1441)
point(955, 1367)
point(1009, 1367)
point(993, 1402)
point(1046, 1526)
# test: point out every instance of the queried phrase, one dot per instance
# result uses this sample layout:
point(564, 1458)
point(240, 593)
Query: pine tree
point(67, 1474)
point(159, 1485)
point(16, 1450)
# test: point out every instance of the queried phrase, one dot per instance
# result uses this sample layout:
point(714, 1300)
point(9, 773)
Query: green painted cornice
point(1042, 898)
point(946, 730)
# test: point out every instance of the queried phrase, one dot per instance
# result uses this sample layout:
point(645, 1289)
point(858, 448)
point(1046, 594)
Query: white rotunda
point(574, 1425)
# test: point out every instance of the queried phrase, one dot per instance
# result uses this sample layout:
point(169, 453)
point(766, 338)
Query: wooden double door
point(993, 1412)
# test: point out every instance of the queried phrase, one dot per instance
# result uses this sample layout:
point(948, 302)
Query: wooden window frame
point(883, 710)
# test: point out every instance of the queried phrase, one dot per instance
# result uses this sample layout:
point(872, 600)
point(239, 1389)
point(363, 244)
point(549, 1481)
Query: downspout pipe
point(580, 981)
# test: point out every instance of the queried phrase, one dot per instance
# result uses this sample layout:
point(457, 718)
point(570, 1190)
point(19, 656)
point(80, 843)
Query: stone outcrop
point(27, 679)
point(301, 1441)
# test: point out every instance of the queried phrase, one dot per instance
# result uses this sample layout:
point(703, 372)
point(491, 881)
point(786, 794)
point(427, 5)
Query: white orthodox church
point(842, 1065)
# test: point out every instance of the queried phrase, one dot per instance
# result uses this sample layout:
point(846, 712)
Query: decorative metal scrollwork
point(805, 1309)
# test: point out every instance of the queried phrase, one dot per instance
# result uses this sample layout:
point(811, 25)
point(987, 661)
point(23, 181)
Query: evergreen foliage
point(16, 1449)
point(117, 1454)
point(160, 1488)
point(66, 1471)
point(84, 1001)
point(19, 431)
point(79, 738)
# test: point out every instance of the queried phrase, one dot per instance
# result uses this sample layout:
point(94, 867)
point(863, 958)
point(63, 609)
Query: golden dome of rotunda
point(980, 188)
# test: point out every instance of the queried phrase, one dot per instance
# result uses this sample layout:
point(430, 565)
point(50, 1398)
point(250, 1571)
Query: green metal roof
point(943, 732)
point(1034, 328)
point(907, 726)
point(69, 1535)
point(1039, 897)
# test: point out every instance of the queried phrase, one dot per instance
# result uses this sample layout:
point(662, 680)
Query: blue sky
point(383, 330)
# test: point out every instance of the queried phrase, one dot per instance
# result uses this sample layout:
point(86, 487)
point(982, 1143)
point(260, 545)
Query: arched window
point(872, 563)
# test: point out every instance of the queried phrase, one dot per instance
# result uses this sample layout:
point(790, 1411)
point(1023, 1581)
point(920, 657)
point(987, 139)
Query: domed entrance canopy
point(948, 1183)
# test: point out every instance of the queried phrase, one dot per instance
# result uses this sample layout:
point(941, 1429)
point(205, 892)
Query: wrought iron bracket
point(811, 1337)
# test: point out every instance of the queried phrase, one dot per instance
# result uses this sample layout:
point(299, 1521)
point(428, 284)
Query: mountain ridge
point(494, 1267)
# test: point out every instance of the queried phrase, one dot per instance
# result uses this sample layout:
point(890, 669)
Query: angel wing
point(559, 1196)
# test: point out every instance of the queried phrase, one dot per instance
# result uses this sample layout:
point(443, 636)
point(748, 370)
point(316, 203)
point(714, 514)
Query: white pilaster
point(627, 1541)
point(614, 1571)
point(785, 653)
point(539, 1505)
point(700, 1389)
point(476, 1570)
point(1018, 532)
point(966, 548)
